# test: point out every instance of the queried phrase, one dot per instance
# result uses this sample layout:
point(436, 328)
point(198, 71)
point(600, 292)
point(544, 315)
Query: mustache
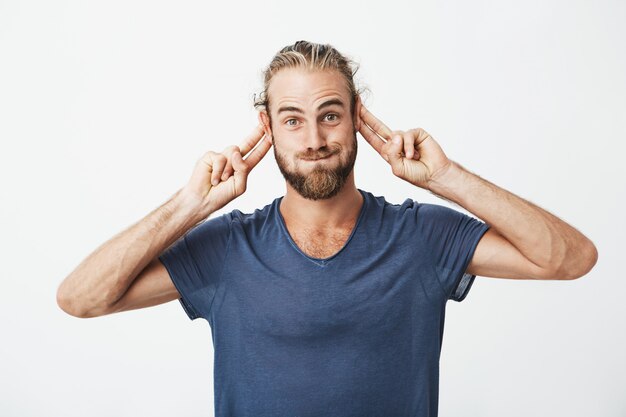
point(323, 152)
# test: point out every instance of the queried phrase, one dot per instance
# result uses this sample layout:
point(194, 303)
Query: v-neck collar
point(320, 261)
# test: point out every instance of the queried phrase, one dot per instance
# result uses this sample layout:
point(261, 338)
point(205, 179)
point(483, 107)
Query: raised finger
point(248, 144)
point(258, 153)
point(377, 126)
point(372, 138)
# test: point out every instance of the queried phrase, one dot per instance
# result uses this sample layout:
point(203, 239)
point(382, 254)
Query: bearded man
point(329, 301)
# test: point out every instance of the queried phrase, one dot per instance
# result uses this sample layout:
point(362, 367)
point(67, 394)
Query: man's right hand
point(219, 178)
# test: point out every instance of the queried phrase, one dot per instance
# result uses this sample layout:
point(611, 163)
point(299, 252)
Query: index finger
point(248, 144)
point(376, 125)
point(258, 153)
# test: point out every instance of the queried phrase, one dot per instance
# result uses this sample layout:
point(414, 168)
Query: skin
point(124, 273)
point(304, 134)
point(523, 242)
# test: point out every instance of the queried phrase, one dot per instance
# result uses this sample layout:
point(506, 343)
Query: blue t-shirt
point(355, 334)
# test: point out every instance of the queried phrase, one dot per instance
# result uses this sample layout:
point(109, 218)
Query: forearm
point(541, 237)
point(107, 273)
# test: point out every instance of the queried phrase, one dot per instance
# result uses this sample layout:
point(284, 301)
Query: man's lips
point(318, 159)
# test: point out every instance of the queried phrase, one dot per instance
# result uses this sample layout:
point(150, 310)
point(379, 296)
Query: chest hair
point(321, 245)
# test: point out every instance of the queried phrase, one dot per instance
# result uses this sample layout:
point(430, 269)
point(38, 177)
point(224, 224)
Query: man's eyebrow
point(290, 108)
point(331, 102)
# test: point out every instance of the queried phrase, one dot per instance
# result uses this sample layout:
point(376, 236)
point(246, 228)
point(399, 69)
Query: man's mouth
point(319, 159)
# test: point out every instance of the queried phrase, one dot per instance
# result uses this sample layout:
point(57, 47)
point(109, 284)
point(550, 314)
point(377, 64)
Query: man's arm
point(524, 241)
point(125, 273)
point(104, 277)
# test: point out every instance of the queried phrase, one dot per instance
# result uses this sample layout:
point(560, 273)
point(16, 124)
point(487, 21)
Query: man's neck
point(340, 211)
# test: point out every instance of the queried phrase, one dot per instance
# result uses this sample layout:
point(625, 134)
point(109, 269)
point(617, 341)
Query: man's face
point(313, 129)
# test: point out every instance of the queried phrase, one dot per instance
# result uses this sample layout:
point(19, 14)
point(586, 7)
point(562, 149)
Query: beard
point(322, 182)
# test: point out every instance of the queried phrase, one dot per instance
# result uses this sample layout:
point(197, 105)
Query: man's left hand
point(413, 155)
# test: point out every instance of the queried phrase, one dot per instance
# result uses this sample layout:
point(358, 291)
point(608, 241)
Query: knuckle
point(229, 149)
point(207, 157)
point(419, 132)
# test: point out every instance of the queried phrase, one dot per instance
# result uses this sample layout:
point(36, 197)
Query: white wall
point(106, 106)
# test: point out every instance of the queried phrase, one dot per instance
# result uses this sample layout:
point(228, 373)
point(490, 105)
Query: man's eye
point(289, 122)
point(331, 117)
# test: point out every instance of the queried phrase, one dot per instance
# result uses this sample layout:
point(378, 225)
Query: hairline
point(351, 101)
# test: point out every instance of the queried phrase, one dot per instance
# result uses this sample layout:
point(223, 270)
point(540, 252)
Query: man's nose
point(315, 137)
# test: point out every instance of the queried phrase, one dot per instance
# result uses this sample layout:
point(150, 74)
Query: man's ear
point(357, 113)
point(264, 119)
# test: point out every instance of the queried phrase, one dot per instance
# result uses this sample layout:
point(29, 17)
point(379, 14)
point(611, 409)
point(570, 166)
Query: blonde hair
point(311, 56)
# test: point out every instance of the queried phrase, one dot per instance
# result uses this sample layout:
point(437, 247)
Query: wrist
point(445, 177)
point(191, 206)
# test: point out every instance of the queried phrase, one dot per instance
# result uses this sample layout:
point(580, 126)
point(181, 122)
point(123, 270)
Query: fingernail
point(396, 139)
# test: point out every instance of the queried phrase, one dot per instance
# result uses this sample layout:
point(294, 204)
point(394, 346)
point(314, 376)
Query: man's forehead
point(306, 87)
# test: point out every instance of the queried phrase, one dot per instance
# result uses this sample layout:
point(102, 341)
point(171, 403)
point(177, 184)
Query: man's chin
point(318, 195)
point(319, 184)
point(318, 179)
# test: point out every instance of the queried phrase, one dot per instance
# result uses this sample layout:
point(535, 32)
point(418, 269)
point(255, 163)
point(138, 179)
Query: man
point(328, 301)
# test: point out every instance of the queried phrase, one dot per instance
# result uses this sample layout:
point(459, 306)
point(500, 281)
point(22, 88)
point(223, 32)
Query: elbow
point(72, 305)
point(66, 305)
point(69, 305)
point(582, 262)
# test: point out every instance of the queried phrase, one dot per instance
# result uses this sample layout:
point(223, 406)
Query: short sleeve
point(195, 261)
point(452, 238)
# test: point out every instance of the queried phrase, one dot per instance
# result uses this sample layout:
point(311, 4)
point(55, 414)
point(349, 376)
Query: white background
point(106, 106)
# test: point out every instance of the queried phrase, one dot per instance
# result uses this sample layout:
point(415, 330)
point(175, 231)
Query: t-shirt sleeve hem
point(187, 306)
point(465, 280)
